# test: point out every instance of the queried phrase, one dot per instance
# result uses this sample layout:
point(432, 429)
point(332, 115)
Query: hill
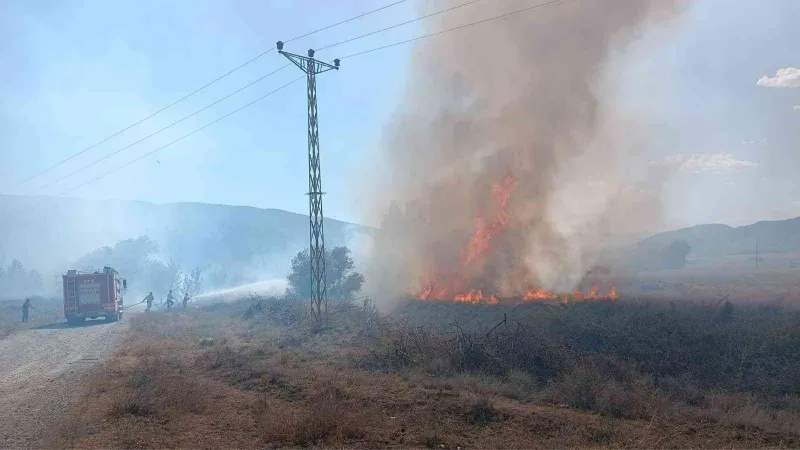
point(779, 236)
point(713, 241)
point(51, 233)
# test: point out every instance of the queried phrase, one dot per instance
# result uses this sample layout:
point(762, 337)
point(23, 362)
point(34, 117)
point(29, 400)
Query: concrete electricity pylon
point(316, 229)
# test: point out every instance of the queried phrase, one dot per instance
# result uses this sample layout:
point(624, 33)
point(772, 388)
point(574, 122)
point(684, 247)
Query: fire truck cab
point(89, 295)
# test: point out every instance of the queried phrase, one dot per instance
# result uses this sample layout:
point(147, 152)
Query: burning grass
point(471, 282)
point(477, 296)
point(253, 374)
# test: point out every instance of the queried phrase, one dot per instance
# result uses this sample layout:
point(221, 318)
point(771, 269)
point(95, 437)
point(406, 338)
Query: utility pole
point(756, 250)
point(316, 229)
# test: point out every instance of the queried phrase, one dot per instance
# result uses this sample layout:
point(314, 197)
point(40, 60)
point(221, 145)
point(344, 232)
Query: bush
point(328, 420)
point(342, 281)
point(156, 388)
point(481, 413)
point(282, 311)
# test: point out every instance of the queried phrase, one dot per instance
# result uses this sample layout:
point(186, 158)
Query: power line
point(329, 46)
point(46, 185)
point(344, 21)
point(156, 132)
point(183, 137)
point(106, 139)
point(398, 25)
point(450, 29)
point(215, 80)
point(174, 141)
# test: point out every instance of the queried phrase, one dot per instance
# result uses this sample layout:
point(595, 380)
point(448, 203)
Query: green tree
point(674, 255)
point(17, 281)
point(343, 282)
point(724, 313)
point(191, 283)
point(135, 260)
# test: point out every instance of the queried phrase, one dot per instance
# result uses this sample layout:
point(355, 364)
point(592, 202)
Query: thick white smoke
point(525, 99)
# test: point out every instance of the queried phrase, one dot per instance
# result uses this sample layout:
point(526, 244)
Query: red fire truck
point(89, 295)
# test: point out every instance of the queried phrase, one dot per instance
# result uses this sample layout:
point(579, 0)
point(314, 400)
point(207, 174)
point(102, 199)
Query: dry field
point(44, 311)
point(735, 277)
point(252, 374)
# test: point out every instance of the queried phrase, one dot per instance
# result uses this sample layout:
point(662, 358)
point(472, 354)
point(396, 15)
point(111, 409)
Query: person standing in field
point(149, 300)
point(170, 300)
point(185, 299)
point(26, 306)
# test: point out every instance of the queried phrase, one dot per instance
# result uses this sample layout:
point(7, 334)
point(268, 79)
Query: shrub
point(156, 388)
point(622, 359)
point(328, 420)
point(481, 413)
point(282, 311)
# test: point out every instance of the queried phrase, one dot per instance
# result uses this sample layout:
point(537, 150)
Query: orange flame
point(434, 292)
point(481, 238)
point(453, 288)
point(475, 297)
point(426, 293)
point(538, 294)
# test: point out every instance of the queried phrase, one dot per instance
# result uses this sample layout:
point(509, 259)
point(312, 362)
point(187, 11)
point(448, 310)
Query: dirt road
point(40, 376)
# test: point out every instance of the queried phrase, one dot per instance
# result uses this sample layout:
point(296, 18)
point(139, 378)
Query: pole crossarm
point(307, 63)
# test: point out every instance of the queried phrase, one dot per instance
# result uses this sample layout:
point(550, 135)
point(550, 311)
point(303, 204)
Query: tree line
point(16, 281)
point(137, 261)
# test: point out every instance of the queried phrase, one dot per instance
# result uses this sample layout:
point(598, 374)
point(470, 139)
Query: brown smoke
point(522, 99)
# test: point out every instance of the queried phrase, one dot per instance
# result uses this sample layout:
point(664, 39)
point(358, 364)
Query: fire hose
point(163, 305)
point(131, 306)
point(160, 305)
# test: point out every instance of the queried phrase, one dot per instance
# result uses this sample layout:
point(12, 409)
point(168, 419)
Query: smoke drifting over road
point(503, 157)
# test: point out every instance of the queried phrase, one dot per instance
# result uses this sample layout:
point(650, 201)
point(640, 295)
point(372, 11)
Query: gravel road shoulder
point(41, 373)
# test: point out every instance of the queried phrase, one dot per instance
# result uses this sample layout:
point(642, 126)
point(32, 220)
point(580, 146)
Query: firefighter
point(149, 300)
point(26, 305)
point(170, 300)
point(185, 299)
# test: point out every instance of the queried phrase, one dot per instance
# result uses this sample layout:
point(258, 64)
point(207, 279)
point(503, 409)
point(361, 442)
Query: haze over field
point(570, 142)
point(240, 244)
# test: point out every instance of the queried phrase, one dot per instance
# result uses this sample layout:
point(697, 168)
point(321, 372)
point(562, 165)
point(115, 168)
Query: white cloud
point(788, 77)
point(796, 108)
point(706, 163)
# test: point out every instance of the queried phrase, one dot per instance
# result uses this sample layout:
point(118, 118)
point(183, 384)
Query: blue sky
point(81, 70)
point(87, 69)
point(708, 95)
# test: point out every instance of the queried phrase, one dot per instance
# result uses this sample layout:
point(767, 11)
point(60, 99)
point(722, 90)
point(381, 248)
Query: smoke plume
point(503, 158)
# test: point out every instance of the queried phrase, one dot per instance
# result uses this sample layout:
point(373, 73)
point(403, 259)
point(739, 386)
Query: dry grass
point(213, 380)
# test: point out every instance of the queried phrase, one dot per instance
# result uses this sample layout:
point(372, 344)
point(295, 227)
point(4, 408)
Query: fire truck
point(89, 295)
